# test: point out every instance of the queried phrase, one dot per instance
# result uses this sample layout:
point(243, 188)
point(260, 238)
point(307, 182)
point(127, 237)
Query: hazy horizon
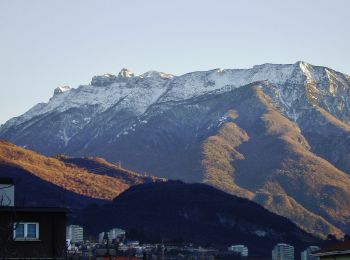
point(46, 44)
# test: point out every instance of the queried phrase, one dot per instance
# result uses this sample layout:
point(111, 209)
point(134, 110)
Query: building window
point(19, 231)
point(26, 231)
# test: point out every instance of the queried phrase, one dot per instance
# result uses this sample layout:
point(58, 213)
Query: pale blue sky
point(46, 43)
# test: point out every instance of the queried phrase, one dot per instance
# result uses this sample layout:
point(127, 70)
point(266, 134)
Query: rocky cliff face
point(276, 134)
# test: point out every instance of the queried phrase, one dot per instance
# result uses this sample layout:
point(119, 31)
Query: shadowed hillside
point(198, 213)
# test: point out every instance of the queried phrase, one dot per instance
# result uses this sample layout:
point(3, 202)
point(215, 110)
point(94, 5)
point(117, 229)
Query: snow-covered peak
point(125, 73)
point(201, 82)
point(103, 80)
point(307, 70)
point(61, 89)
point(138, 93)
point(156, 74)
point(301, 62)
point(109, 75)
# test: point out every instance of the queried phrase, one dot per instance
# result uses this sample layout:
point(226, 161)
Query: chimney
point(7, 192)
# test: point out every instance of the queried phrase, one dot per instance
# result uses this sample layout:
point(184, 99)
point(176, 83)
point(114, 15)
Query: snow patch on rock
point(61, 89)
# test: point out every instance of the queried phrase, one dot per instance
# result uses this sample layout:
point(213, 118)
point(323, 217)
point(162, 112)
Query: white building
point(100, 237)
point(283, 251)
point(307, 253)
point(75, 233)
point(113, 234)
point(240, 249)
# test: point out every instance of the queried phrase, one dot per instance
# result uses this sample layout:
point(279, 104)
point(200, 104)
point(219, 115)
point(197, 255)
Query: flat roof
point(34, 209)
point(336, 249)
point(4, 180)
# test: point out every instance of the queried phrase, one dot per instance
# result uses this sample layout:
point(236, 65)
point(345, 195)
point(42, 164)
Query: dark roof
point(335, 249)
point(34, 209)
point(6, 181)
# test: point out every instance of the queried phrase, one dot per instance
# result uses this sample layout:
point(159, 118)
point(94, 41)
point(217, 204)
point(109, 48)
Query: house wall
point(52, 235)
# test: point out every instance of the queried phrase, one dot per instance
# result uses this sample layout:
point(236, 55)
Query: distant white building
point(100, 237)
point(113, 234)
point(307, 253)
point(75, 233)
point(283, 251)
point(133, 243)
point(240, 249)
point(69, 244)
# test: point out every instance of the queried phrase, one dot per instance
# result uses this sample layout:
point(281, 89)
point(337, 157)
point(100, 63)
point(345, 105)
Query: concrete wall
point(7, 195)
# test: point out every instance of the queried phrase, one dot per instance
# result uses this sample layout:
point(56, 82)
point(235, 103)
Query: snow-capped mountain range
point(326, 88)
point(278, 134)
